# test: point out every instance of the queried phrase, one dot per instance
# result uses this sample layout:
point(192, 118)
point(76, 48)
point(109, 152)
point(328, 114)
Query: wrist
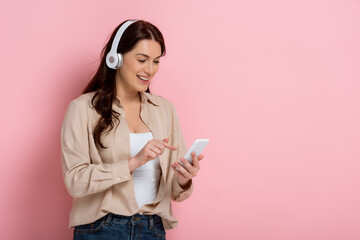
point(185, 186)
point(132, 164)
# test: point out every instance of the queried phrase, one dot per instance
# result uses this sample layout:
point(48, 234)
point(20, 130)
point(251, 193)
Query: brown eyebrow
point(142, 54)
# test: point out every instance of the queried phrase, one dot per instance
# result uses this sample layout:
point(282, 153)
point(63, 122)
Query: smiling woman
point(121, 144)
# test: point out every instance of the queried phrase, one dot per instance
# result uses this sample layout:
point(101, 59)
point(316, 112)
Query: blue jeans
point(112, 226)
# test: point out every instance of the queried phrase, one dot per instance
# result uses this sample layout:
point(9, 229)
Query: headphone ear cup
point(120, 60)
point(112, 60)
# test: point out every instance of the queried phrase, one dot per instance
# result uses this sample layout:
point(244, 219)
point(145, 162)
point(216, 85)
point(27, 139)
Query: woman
point(121, 144)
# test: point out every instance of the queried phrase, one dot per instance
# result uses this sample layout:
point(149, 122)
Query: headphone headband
point(118, 35)
point(113, 59)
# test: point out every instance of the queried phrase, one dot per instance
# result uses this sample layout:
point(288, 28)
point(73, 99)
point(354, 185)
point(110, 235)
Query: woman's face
point(140, 65)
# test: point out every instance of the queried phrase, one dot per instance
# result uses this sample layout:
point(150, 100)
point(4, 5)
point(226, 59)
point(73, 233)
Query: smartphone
point(197, 147)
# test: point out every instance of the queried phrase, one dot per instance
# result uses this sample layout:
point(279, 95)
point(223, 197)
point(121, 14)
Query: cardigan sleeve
point(81, 176)
point(178, 194)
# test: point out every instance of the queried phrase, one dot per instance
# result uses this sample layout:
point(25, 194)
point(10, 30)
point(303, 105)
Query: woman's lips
point(143, 79)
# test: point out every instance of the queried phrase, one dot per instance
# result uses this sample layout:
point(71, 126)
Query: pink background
point(274, 84)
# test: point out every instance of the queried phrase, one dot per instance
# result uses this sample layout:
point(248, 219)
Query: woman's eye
point(142, 61)
point(157, 62)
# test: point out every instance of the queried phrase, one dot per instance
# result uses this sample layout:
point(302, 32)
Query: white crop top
point(146, 177)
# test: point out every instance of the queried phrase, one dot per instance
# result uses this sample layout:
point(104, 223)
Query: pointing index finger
point(169, 146)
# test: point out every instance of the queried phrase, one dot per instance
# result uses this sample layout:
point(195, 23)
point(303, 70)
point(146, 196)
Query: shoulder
point(81, 107)
point(83, 100)
point(160, 101)
point(164, 106)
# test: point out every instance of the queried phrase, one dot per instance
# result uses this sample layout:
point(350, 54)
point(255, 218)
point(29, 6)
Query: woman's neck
point(127, 96)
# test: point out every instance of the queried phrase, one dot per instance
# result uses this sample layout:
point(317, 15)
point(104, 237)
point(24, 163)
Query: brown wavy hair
point(104, 81)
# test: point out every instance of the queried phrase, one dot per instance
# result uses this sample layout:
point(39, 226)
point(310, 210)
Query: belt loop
point(151, 221)
point(108, 218)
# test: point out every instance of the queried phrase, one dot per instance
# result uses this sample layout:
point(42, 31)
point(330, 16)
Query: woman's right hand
point(150, 151)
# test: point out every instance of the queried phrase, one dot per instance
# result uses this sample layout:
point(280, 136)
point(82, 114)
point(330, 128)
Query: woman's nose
point(150, 69)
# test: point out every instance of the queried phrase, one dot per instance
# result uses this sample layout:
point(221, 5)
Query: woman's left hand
point(186, 173)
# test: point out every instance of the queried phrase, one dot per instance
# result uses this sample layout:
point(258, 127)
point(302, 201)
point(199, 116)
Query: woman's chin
point(142, 88)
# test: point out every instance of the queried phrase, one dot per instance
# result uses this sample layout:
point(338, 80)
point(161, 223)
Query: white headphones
point(114, 60)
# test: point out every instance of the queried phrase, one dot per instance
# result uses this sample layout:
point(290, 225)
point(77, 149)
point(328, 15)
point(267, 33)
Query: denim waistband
point(134, 219)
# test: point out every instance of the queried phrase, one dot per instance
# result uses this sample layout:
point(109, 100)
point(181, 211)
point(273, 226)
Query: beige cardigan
point(99, 180)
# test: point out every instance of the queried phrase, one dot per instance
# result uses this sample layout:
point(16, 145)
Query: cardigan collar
point(144, 97)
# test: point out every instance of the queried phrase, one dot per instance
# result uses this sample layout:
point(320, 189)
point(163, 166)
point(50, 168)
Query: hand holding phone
point(197, 147)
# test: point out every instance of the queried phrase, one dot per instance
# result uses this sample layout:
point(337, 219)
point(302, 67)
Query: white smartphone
point(197, 147)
